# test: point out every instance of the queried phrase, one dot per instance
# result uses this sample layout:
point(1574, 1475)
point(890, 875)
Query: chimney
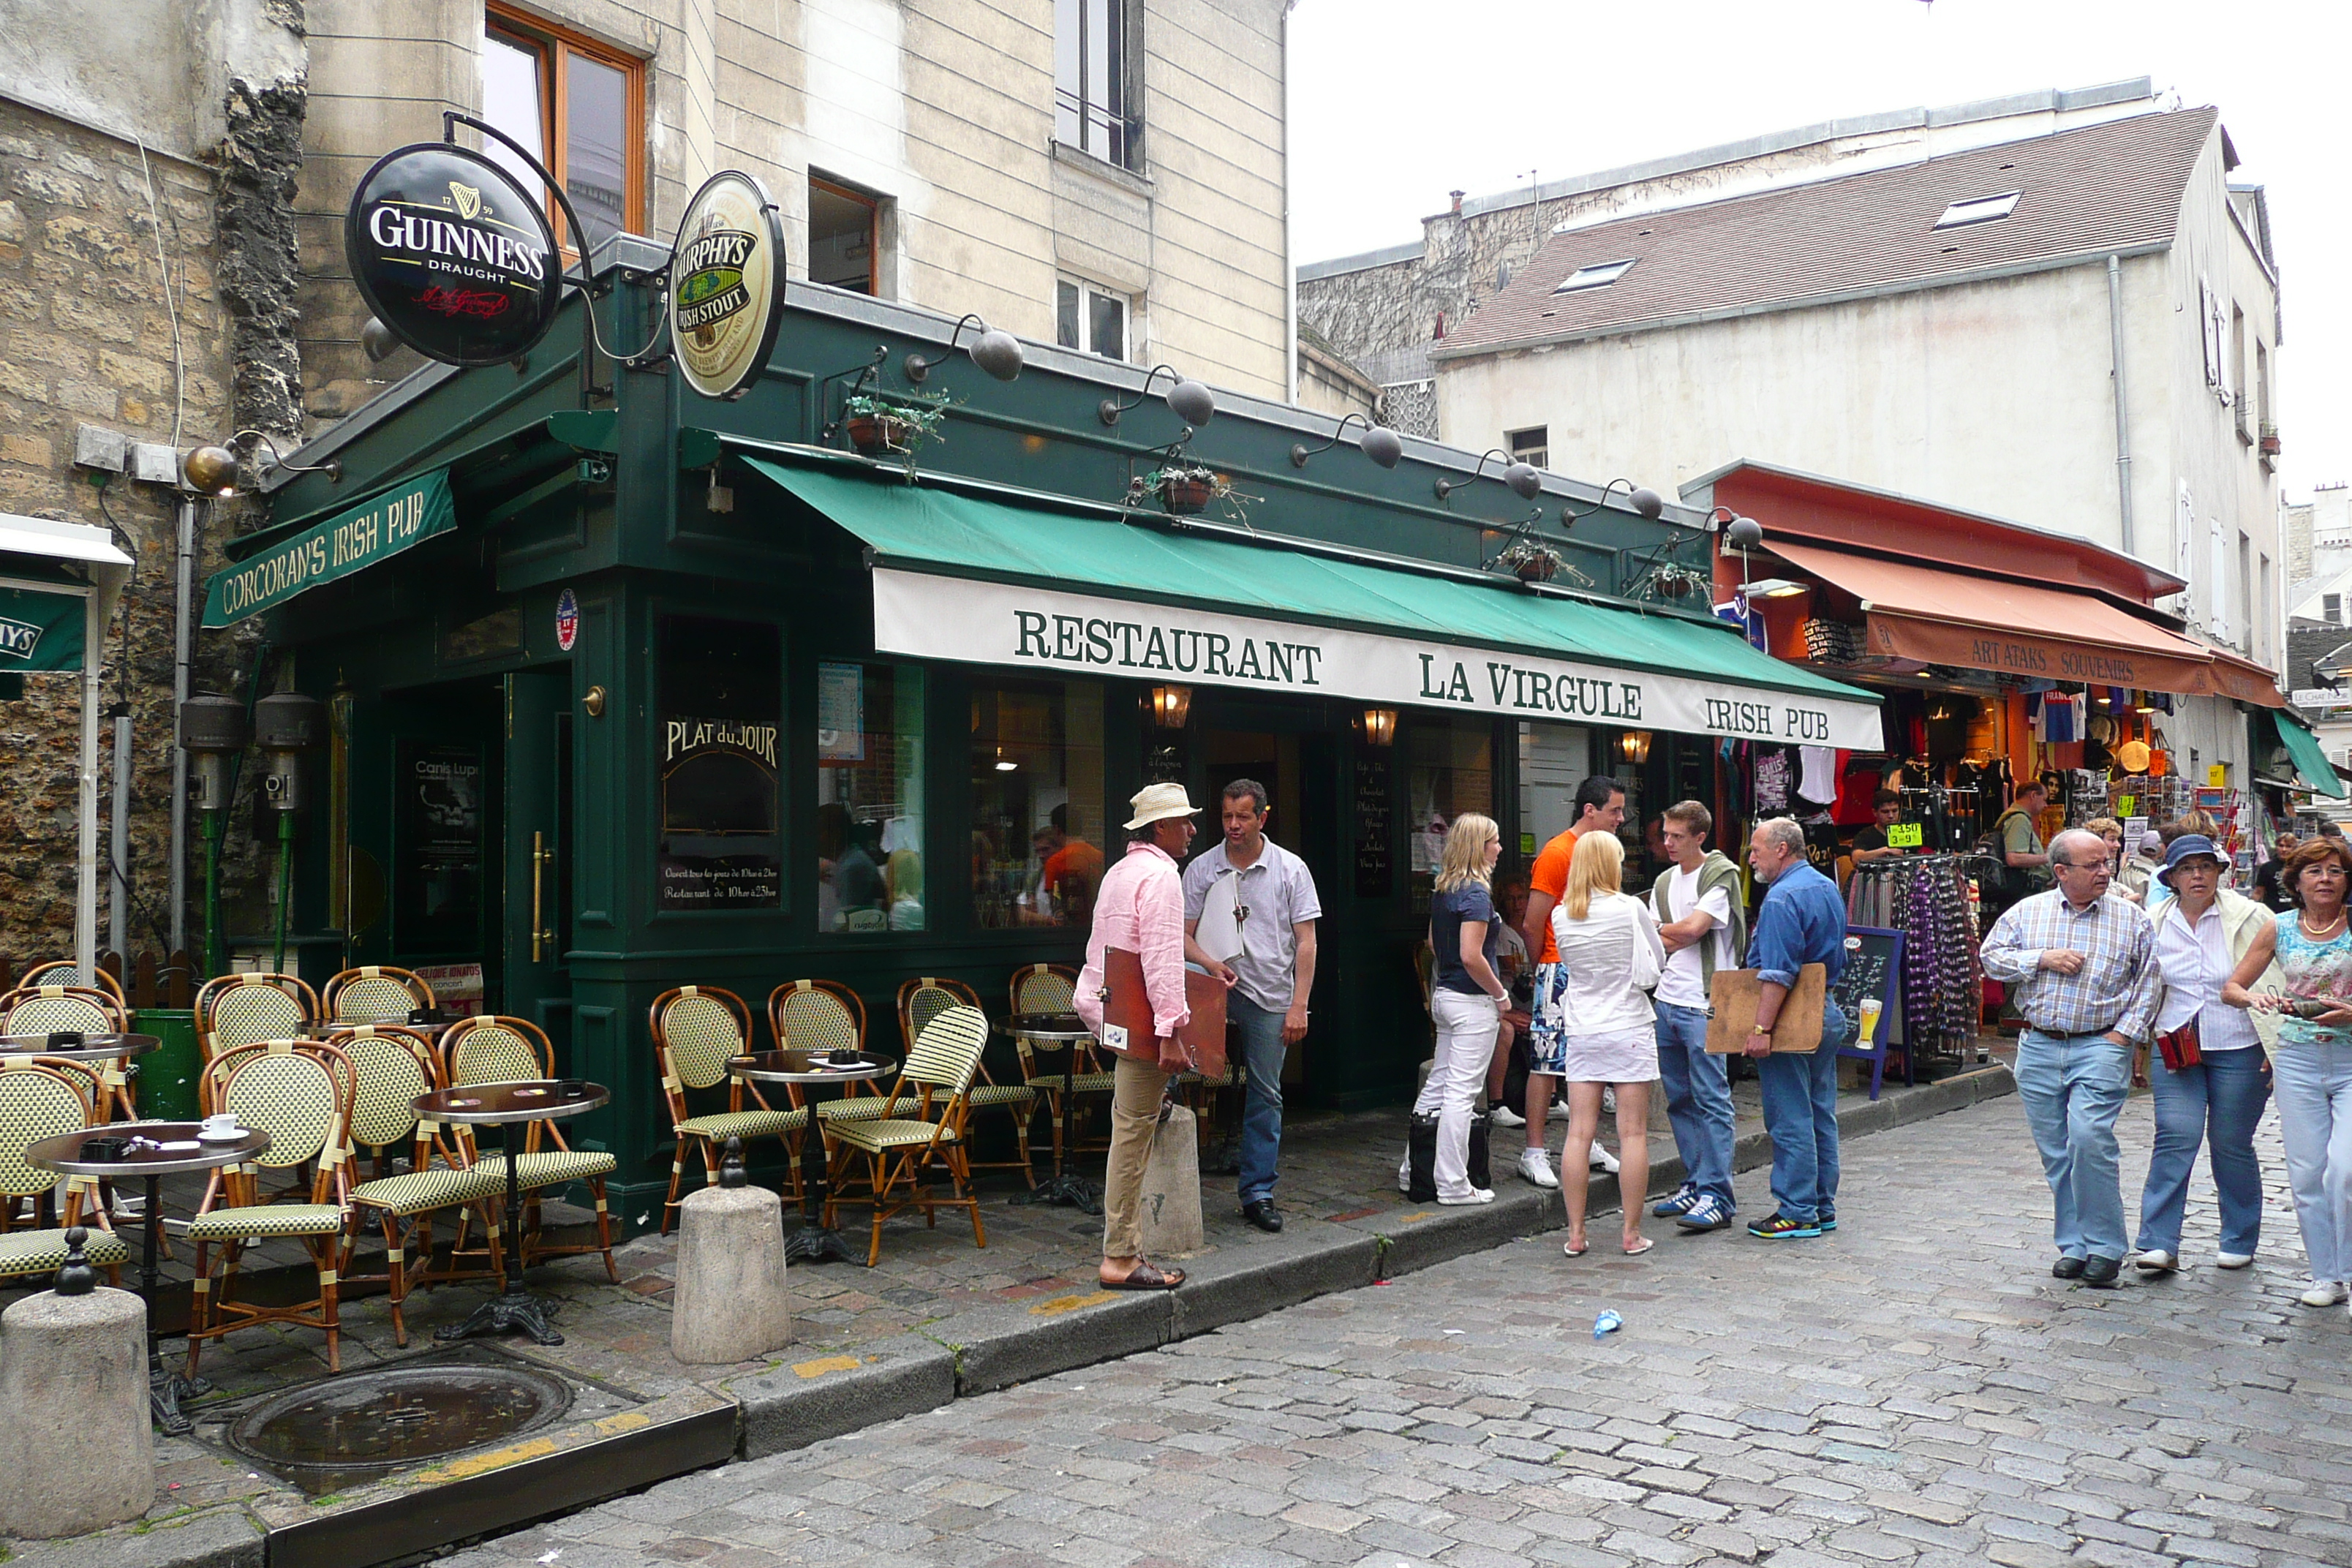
point(1457, 204)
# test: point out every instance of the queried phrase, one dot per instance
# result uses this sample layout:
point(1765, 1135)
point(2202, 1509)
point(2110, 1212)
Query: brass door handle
point(543, 936)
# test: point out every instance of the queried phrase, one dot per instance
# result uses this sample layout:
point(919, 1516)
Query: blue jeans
point(1262, 1054)
point(1800, 1113)
point(1698, 1100)
point(2220, 1101)
point(2072, 1086)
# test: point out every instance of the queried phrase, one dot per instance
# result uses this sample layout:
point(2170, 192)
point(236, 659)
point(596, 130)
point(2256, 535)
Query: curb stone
point(808, 1400)
point(224, 1537)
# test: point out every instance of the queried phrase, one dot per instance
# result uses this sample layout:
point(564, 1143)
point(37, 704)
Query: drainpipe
point(1289, 253)
point(2123, 417)
point(183, 569)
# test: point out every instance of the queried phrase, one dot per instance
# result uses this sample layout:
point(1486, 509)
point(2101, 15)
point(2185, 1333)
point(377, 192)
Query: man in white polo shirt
point(1251, 903)
point(1703, 919)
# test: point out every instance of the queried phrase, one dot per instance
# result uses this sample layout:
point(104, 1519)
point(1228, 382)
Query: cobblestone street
point(1913, 1389)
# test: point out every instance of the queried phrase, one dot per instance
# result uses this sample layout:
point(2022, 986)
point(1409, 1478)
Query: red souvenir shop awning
point(2028, 629)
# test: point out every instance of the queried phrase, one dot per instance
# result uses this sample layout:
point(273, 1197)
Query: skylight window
point(1979, 209)
point(1600, 275)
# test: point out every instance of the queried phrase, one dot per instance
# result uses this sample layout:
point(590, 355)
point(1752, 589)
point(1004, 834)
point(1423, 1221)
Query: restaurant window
point(1092, 43)
point(1090, 319)
point(1449, 769)
point(721, 700)
point(869, 797)
point(845, 245)
point(580, 107)
point(1039, 831)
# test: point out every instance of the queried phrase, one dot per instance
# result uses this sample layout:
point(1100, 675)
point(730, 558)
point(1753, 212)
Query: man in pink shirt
point(1140, 907)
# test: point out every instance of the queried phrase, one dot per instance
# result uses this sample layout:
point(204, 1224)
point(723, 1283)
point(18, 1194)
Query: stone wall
point(87, 336)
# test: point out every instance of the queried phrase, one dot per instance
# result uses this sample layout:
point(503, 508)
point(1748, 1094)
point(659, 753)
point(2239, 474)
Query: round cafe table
point(85, 1048)
point(812, 1243)
point(1062, 1031)
point(156, 1150)
point(506, 1105)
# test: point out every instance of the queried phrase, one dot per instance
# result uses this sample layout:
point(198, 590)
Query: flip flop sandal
point(1647, 1243)
point(1144, 1277)
point(1573, 1251)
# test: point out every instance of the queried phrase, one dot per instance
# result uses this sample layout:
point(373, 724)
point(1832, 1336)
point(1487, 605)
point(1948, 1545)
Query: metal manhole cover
point(325, 1436)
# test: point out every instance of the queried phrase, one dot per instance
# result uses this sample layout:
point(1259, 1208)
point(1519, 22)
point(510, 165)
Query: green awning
point(382, 526)
point(962, 578)
point(2310, 761)
point(39, 631)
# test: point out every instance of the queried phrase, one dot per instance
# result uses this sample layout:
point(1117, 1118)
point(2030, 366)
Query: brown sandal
point(1144, 1277)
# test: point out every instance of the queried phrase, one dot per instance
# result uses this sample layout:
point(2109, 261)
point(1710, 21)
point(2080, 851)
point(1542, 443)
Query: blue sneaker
point(1828, 1221)
point(1681, 1201)
point(1709, 1212)
point(1781, 1227)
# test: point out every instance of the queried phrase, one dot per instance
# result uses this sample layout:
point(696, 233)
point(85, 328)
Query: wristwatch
point(1757, 1030)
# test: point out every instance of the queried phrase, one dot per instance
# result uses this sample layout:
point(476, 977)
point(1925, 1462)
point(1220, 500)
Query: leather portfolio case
point(1129, 1026)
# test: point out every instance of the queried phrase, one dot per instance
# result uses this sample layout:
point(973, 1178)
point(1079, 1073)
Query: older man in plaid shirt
point(2081, 968)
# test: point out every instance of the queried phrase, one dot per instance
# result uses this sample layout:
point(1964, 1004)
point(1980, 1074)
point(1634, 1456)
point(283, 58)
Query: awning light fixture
point(1379, 726)
point(1190, 400)
point(1645, 500)
point(1380, 444)
point(1170, 705)
point(1635, 745)
point(997, 352)
point(1525, 480)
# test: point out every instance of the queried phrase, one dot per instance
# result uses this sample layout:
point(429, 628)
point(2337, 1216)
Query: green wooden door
point(537, 923)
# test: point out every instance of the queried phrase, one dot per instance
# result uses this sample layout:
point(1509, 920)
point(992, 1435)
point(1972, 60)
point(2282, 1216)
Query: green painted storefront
point(723, 782)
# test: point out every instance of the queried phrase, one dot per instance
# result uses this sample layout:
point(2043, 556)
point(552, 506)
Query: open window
point(845, 237)
point(580, 107)
point(1094, 107)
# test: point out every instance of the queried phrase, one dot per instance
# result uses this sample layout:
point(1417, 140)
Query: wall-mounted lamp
point(1380, 444)
point(1635, 745)
point(997, 352)
point(1190, 400)
point(1169, 706)
point(377, 340)
point(1526, 482)
point(1004, 764)
point(1379, 726)
point(1775, 589)
point(1641, 498)
point(212, 469)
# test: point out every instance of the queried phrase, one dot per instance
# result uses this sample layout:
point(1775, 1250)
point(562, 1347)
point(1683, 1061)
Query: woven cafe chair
point(391, 1066)
point(38, 1010)
point(374, 994)
point(241, 1009)
point(37, 1102)
point(922, 1000)
point(697, 1031)
point(88, 1079)
point(1050, 988)
point(66, 972)
point(922, 1121)
point(824, 1015)
point(302, 1097)
point(496, 1050)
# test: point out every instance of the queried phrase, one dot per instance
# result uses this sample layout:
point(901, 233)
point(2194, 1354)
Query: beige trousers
point(1136, 1090)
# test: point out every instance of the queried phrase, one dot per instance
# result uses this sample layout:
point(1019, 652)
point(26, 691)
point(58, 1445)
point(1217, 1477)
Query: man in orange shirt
point(1600, 809)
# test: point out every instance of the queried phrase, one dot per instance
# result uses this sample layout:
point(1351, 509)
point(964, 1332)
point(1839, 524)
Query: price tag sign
point(1906, 836)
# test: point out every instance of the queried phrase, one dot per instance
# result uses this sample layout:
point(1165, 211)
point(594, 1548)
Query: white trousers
point(1466, 1028)
point(2312, 1088)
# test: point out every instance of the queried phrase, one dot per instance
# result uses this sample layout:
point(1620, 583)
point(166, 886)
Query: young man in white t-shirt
point(1701, 905)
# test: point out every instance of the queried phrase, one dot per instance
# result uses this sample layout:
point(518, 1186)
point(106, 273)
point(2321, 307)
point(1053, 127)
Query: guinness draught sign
point(453, 256)
point(723, 284)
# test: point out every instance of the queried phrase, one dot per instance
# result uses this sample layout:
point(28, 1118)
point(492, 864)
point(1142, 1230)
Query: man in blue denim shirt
point(1801, 922)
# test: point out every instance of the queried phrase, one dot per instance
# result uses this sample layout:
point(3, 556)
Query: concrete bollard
point(1172, 1187)
point(729, 1305)
point(76, 1447)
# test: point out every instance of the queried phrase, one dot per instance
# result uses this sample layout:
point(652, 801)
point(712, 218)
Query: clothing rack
point(1931, 898)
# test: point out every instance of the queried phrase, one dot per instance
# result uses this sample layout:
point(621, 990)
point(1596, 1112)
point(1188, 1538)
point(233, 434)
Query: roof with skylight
point(1600, 275)
point(1979, 209)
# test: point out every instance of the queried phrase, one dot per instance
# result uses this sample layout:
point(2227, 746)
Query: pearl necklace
point(2324, 933)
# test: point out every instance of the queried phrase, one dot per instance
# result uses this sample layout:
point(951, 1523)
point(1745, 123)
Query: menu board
point(1375, 862)
point(719, 844)
point(438, 818)
point(1873, 970)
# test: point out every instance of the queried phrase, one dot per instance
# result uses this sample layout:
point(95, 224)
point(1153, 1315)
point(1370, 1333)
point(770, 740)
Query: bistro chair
point(241, 1009)
point(697, 1030)
point(302, 1097)
point(392, 1065)
point(38, 1101)
point(38, 1010)
point(374, 994)
point(66, 972)
point(922, 1120)
point(919, 1002)
point(1051, 988)
point(495, 1049)
point(823, 1016)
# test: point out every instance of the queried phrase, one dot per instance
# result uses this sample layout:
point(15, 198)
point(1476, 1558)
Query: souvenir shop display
point(1931, 899)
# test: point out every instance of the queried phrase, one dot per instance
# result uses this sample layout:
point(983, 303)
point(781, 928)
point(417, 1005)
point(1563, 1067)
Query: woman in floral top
point(2312, 1066)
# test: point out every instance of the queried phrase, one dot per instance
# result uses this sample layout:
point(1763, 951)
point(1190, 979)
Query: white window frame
point(1088, 290)
point(1599, 275)
point(1536, 452)
point(1980, 209)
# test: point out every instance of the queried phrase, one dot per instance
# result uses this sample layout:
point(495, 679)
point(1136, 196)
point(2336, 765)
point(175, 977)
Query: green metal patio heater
point(213, 731)
point(285, 726)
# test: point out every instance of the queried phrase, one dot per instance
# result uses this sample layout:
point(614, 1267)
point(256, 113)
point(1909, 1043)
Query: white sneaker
point(1601, 1159)
point(1475, 1195)
point(1404, 1179)
point(2323, 1293)
point(2232, 1260)
point(2156, 1260)
point(1609, 1102)
point(1536, 1166)
point(1505, 1117)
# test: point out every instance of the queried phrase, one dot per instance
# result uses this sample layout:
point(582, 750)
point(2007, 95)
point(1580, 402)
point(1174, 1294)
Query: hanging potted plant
point(1677, 582)
point(1184, 490)
point(884, 427)
point(1529, 562)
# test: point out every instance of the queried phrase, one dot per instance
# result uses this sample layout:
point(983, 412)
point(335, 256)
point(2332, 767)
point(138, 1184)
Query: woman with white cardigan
point(1610, 959)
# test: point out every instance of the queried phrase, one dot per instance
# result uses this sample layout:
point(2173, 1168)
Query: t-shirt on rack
point(1925, 897)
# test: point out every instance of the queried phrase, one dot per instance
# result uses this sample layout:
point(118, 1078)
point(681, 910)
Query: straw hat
point(2132, 756)
point(1153, 803)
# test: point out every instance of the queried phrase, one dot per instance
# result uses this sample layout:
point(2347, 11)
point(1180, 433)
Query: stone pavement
point(1913, 1389)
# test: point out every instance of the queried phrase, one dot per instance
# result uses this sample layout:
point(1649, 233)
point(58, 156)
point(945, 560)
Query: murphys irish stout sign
point(453, 256)
point(722, 285)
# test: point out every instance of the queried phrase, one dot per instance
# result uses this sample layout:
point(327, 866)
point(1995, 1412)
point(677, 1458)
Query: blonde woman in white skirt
point(1610, 959)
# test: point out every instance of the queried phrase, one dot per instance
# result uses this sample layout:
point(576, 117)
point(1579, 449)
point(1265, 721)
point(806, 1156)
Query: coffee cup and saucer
point(221, 1129)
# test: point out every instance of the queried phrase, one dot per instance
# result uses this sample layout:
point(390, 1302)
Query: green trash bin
point(167, 1075)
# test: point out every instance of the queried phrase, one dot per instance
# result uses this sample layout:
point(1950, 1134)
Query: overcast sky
point(1396, 102)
